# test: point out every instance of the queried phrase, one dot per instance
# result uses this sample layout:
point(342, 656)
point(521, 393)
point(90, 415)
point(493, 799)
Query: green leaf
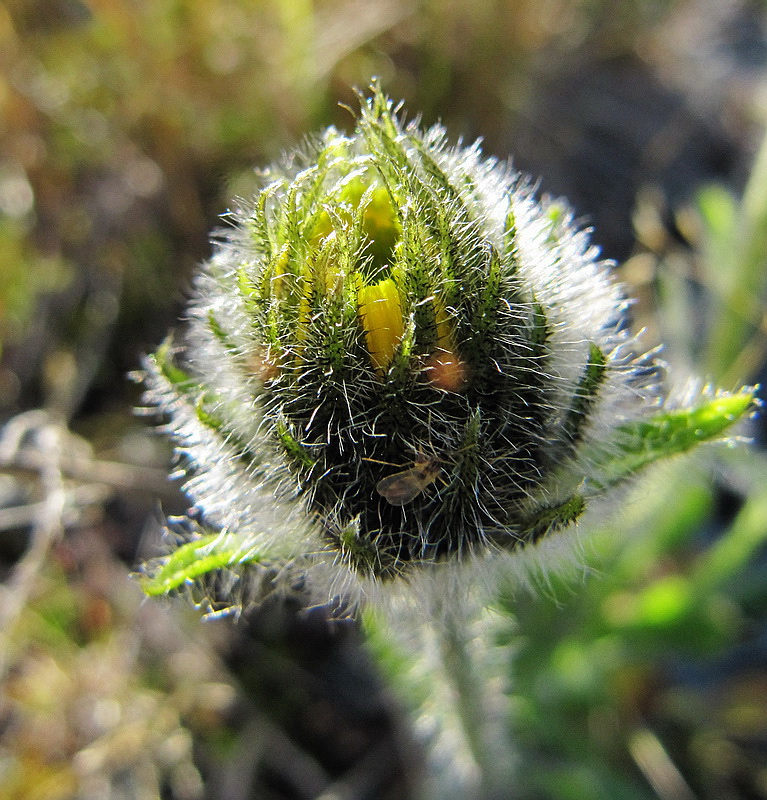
point(737, 271)
point(719, 213)
point(726, 559)
point(640, 443)
point(195, 559)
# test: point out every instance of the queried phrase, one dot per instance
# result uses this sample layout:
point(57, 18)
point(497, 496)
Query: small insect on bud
point(403, 487)
point(389, 302)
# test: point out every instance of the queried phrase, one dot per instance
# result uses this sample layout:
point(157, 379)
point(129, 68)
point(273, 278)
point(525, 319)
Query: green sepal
point(539, 331)
point(178, 378)
point(197, 558)
point(205, 416)
point(224, 339)
point(261, 234)
point(585, 395)
point(294, 449)
point(358, 550)
point(185, 386)
point(553, 518)
point(191, 391)
point(638, 444)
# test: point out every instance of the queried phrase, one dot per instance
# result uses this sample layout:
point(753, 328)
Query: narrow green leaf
point(195, 559)
point(740, 277)
point(641, 443)
point(719, 212)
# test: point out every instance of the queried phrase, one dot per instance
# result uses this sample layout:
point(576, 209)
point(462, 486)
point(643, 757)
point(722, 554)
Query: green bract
point(398, 357)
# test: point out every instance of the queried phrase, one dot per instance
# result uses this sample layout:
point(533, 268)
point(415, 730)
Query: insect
point(403, 487)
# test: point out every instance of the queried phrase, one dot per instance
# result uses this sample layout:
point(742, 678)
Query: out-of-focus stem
point(480, 718)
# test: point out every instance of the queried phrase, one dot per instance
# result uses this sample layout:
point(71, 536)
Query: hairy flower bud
point(399, 356)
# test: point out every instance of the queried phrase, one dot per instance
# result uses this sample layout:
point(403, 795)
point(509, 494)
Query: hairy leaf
point(640, 443)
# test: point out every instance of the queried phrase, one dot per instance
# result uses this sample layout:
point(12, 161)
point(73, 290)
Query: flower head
point(399, 357)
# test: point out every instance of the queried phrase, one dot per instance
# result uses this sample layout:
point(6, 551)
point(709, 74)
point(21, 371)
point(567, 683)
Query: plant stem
point(463, 656)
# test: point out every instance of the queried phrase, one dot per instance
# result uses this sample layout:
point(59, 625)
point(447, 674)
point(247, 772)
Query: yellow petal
point(381, 318)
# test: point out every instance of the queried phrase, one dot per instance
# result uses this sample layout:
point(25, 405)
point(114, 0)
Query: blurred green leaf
point(735, 255)
point(719, 214)
point(732, 552)
point(665, 602)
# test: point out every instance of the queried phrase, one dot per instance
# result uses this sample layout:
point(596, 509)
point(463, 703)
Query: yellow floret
point(381, 318)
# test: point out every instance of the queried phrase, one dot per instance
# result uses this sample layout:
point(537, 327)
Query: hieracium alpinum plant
point(399, 360)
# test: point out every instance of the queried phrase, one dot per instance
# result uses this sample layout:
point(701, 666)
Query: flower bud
point(399, 356)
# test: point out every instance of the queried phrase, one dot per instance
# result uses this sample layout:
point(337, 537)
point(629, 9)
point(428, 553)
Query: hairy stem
point(478, 707)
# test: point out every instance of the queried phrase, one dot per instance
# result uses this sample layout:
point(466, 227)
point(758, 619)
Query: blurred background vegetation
point(125, 127)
